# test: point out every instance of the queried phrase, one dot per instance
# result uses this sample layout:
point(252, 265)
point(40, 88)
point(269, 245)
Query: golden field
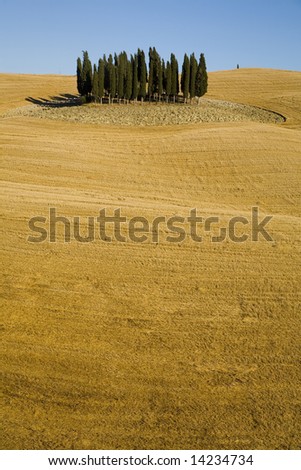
point(154, 345)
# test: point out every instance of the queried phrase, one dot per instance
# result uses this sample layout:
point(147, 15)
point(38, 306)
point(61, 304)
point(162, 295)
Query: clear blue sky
point(46, 36)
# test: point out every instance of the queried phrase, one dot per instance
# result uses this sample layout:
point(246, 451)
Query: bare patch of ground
point(154, 114)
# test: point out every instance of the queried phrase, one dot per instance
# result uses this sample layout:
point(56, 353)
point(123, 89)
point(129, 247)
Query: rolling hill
point(153, 345)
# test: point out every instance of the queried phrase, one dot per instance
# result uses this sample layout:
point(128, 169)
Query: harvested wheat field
point(153, 345)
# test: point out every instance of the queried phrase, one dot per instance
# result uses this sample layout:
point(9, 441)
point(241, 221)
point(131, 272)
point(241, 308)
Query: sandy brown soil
point(146, 346)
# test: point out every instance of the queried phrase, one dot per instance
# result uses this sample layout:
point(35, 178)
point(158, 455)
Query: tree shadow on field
point(60, 101)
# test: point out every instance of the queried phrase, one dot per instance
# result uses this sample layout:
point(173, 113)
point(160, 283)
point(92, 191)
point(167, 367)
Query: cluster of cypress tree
point(129, 78)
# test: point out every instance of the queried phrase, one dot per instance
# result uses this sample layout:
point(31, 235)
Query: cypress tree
point(95, 83)
point(128, 80)
point(201, 82)
point(203, 67)
point(120, 73)
point(157, 80)
point(163, 76)
point(116, 80)
point(185, 77)
point(134, 62)
point(168, 80)
point(174, 76)
point(111, 78)
point(116, 65)
point(79, 72)
point(198, 82)
point(122, 68)
point(107, 75)
point(177, 77)
point(113, 82)
point(101, 78)
point(160, 66)
point(125, 61)
point(115, 59)
point(193, 72)
point(87, 74)
point(142, 75)
point(155, 84)
point(150, 73)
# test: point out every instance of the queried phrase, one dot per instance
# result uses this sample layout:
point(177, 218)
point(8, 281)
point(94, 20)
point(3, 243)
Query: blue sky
point(46, 36)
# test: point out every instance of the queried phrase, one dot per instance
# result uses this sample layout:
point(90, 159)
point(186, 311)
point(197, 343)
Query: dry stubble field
point(143, 346)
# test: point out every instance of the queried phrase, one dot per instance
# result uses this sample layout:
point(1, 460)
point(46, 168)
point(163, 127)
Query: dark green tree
point(157, 74)
point(198, 82)
point(134, 62)
point(142, 75)
point(87, 74)
point(204, 74)
point(155, 80)
point(150, 73)
point(101, 78)
point(107, 76)
point(122, 66)
point(201, 82)
point(164, 76)
point(168, 80)
point(116, 60)
point(174, 76)
point(95, 83)
point(79, 73)
point(128, 80)
point(160, 66)
point(116, 79)
point(193, 72)
point(185, 77)
point(111, 78)
point(116, 65)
